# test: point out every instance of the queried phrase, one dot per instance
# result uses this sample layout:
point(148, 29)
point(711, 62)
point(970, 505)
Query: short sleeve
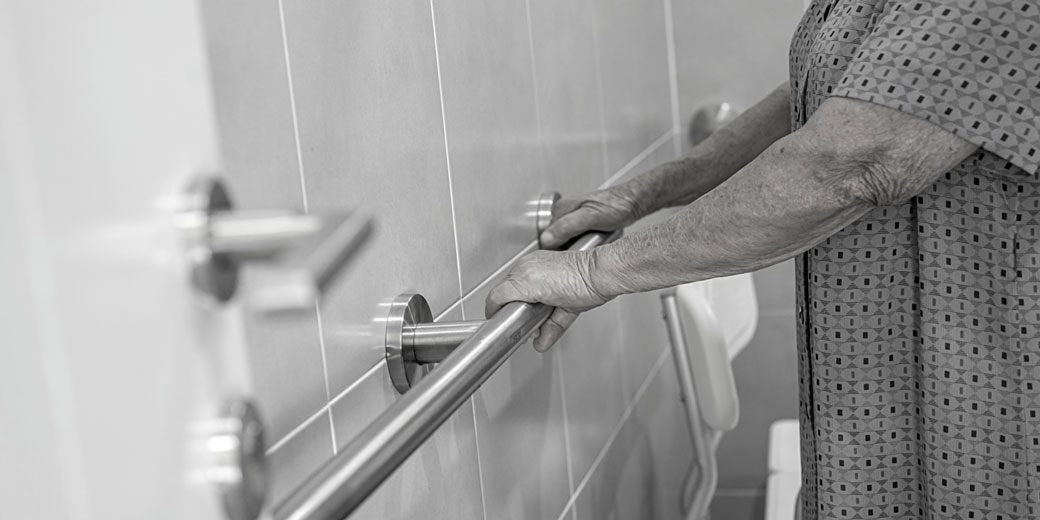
point(972, 67)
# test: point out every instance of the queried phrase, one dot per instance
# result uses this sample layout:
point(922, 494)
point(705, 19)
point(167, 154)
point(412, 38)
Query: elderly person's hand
point(604, 210)
point(850, 158)
point(558, 278)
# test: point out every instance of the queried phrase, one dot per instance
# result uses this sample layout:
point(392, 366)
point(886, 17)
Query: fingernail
point(547, 237)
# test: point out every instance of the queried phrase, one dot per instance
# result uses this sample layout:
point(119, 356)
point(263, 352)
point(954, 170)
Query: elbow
point(877, 183)
point(862, 174)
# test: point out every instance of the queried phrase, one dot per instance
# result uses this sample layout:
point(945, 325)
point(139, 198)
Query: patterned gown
point(919, 338)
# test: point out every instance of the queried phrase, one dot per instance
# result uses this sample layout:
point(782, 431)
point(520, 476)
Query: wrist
point(602, 272)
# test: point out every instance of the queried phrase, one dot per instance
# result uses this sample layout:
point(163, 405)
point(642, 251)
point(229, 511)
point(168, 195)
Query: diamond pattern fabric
point(919, 343)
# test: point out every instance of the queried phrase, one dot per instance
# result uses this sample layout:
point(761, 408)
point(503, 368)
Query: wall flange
point(406, 311)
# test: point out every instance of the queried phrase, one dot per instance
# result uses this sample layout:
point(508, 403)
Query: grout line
point(599, 95)
point(487, 280)
point(306, 422)
point(534, 90)
point(295, 431)
point(506, 265)
point(673, 80)
point(636, 160)
point(306, 209)
point(368, 373)
point(447, 151)
point(292, 105)
point(533, 245)
point(661, 359)
point(476, 443)
point(566, 420)
point(325, 371)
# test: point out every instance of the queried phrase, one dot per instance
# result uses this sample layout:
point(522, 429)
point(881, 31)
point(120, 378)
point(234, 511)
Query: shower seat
point(720, 316)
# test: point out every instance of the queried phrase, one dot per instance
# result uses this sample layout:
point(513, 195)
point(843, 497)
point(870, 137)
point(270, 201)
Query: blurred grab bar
point(343, 483)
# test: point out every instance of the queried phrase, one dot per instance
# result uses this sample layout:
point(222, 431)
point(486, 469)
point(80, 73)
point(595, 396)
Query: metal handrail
point(343, 483)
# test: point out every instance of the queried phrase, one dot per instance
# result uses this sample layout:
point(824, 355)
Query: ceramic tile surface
point(489, 112)
point(643, 333)
point(774, 288)
point(262, 172)
point(622, 485)
point(634, 69)
point(368, 110)
point(733, 51)
point(662, 419)
point(296, 460)
point(570, 110)
point(520, 423)
point(439, 481)
point(767, 383)
point(591, 357)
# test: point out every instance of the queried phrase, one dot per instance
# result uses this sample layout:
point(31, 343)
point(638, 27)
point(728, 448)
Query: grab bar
point(343, 483)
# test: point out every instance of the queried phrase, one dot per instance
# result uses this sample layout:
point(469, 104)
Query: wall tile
point(296, 460)
point(774, 288)
point(253, 108)
point(439, 481)
point(523, 451)
point(632, 480)
point(766, 373)
point(368, 109)
point(621, 486)
point(634, 69)
point(639, 315)
point(567, 87)
point(643, 337)
point(739, 507)
point(661, 418)
point(489, 112)
point(255, 118)
point(520, 426)
point(591, 359)
point(288, 374)
point(734, 51)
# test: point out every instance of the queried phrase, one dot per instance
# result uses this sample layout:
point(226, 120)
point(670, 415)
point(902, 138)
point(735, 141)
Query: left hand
point(557, 278)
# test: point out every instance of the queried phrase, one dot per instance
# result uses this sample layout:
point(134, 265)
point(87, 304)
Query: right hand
point(604, 210)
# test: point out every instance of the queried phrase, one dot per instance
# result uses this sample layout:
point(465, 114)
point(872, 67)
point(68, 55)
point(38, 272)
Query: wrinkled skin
point(556, 278)
point(604, 210)
point(799, 190)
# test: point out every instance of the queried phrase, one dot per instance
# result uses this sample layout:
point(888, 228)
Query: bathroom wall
point(740, 58)
point(443, 119)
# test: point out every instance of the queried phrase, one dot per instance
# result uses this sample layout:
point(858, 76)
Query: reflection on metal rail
point(345, 481)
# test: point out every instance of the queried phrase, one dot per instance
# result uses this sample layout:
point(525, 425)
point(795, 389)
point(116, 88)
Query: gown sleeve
point(971, 67)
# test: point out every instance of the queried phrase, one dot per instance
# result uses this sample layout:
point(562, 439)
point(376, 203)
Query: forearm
point(716, 159)
point(801, 190)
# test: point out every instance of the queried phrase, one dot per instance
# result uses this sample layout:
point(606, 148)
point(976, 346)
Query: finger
point(553, 328)
point(565, 205)
point(568, 226)
point(503, 293)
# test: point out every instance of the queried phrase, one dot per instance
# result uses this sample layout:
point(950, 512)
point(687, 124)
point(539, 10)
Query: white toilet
point(785, 471)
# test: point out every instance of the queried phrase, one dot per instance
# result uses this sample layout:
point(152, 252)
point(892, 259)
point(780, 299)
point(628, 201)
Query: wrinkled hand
point(556, 278)
point(604, 210)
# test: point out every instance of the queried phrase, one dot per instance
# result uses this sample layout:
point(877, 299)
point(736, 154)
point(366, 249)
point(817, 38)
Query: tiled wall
point(740, 58)
point(444, 119)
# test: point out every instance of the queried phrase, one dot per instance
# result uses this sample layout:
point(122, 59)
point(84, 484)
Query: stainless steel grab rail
point(345, 481)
